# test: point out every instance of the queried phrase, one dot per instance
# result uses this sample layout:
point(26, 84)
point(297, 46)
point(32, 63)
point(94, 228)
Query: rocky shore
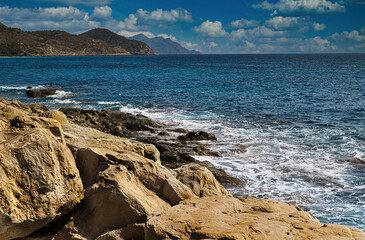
point(84, 174)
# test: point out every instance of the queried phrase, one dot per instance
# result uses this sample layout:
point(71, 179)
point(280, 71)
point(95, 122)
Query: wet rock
point(40, 93)
point(197, 136)
point(163, 133)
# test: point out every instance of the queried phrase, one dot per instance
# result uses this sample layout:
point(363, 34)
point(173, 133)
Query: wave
point(108, 103)
point(62, 94)
point(19, 87)
point(67, 101)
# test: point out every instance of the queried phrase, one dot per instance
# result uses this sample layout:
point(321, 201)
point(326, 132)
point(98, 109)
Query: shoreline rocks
point(62, 181)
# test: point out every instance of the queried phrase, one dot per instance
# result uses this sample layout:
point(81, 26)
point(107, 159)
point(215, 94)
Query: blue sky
point(211, 26)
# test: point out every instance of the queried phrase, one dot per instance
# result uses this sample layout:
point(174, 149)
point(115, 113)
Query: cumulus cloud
point(318, 44)
point(85, 2)
point(212, 44)
point(101, 13)
point(244, 23)
point(159, 15)
point(58, 18)
point(263, 31)
point(131, 34)
point(354, 35)
point(318, 27)
point(302, 7)
point(189, 45)
point(211, 29)
point(166, 36)
point(281, 23)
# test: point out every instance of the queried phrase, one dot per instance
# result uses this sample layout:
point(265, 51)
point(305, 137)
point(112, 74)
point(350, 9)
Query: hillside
point(164, 45)
point(16, 42)
point(132, 46)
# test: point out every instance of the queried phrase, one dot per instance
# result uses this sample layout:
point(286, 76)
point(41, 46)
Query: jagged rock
point(131, 232)
point(223, 178)
point(40, 93)
point(39, 181)
point(78, 137)
point(200, 180)
point(197, 136)
point(249, 219)
point(127, 188)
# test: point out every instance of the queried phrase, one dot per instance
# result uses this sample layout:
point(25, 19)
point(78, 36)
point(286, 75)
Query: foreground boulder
point(39, 181)
point(247, 219)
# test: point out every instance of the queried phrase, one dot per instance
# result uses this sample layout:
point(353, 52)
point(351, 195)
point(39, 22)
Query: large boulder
point(197, 136)
point(40, 93)
point(247, 219)
point(200, 180)
point(39, 181)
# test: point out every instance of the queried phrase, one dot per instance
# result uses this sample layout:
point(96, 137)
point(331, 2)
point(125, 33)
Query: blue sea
point(301, 117)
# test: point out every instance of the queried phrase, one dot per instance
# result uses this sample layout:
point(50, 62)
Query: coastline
point(97, 164)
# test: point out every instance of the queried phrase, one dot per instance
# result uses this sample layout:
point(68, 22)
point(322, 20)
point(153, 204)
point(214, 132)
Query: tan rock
point(115, 201)
point(134, 231)
point(39, 181)
point(200, 180)
point(249, 219)
point(58, 116)
point(78, 137)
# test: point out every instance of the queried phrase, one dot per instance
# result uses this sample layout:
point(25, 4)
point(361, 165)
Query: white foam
point(67, 101)
point(61, 94)
point(18, 87)
point(108, 103)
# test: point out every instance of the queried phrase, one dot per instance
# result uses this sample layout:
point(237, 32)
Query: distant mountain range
point(16, 42)
point(164, 45)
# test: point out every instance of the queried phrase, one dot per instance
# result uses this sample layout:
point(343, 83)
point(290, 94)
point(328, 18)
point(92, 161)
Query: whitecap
point(108, 103)
point(61, 94)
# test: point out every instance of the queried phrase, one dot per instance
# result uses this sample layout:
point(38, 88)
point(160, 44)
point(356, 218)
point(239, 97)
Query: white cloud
point(102, 13)
point(211, 29)
point(354, 35)
point(318, 27)
point(212, 44)
point(318, 44)
point(263, 31)
point(129, 23)
point(167, 37)
point(159, 15)
point(189, 45)
point(281, 23)
point(238, 34)
point(302, 6)
point(131, 34)
point(55, 18)
point(85, 2)
point(244, 23)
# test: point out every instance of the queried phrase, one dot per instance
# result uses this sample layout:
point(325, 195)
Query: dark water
point(301, 117)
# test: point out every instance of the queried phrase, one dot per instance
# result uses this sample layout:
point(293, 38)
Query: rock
point(78, 137)
point(122, 189)
point(40, 93)
point(223, 178)
point(39, 181)
point(222, 217)
point(200, 180)
point(133, 231)
point(163, 133)
point(197, 136)
point(113, 122)
point(58, 116)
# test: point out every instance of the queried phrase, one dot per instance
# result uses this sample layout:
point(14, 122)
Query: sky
point(210, 26)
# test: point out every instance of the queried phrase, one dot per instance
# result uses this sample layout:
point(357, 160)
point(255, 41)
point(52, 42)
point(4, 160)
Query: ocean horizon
point(301, 117)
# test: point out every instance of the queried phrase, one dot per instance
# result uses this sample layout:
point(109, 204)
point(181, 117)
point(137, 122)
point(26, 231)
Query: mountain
point(16, 42)
point(133, 46)
point(164, 45)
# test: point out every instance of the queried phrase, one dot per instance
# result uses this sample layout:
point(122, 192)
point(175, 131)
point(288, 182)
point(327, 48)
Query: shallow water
point(301, 117)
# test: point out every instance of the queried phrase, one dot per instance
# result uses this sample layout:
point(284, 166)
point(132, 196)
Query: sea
point(301, 117)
